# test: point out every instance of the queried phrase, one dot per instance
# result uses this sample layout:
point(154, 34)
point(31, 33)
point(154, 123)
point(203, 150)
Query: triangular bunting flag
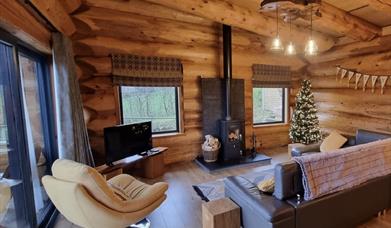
point(358, 77)
point(365, 81)
point(374, 80)
point(337, 73)
point(383, 81)
point(350, 76)
point(343, 73)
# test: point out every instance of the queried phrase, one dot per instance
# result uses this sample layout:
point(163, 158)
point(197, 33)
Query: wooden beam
point(224, 12)
point(376, 64)
point(347, 24)
point(333, 19)
point(56, 14)
point(107, 22)
point(71, 6)
point(377, 45)
point(144, 8)
point(15, 19)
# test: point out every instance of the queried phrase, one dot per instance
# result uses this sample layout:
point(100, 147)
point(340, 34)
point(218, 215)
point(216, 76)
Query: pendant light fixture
point(290, 48)
point(311, 47)
point(276, 43)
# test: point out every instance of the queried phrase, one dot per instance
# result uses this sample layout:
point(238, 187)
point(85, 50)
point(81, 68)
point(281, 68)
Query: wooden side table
point(221, 213)
point(153, 166)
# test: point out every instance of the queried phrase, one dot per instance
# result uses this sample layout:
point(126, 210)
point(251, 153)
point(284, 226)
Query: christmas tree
point(305, 124)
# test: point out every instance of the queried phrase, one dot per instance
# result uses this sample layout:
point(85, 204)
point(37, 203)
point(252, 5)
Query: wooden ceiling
point(377, 12)
point(347, 20)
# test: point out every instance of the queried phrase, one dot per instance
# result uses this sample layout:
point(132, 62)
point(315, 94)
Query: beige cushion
point(266, 185)
point(127, 188)
point(332, 142)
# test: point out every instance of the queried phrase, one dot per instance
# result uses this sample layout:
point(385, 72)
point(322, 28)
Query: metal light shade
point(290, 49)
point(311, 48)
point(264, 3)
point(277, 45)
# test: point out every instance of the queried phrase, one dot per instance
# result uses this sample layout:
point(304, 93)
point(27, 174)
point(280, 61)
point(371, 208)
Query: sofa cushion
point(364, 136)
point(332, 142)
point(266, 185)
point(246, 194)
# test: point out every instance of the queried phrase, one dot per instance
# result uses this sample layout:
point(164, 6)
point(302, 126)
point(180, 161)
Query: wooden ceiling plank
point(347, 24)
point(71, 6)
point(54, 12)
point(381, 5)
point(224, 12)
point(18, 21)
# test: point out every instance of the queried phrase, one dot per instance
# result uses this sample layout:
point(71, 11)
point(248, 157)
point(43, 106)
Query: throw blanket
point(330, 172)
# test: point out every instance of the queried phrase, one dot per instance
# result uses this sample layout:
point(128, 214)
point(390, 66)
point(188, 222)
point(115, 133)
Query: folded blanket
point(330, 172)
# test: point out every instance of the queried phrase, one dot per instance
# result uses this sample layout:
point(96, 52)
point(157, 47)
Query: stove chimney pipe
point(227, 56)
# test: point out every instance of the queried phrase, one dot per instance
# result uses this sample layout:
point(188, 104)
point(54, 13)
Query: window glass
point(34, 130)
point(268, 105)
point(156, 104)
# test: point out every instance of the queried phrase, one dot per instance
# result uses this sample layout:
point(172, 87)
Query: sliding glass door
point(27, 141)
point(34, 128)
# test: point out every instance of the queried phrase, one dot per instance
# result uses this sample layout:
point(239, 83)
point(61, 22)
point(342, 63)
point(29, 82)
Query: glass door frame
point(47, 118)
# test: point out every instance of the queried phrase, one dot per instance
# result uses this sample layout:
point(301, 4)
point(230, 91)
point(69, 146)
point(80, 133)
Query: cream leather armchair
point(84, 197)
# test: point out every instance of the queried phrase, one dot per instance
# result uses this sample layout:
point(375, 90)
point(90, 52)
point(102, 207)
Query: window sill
point(168, 135)
point(270, 125)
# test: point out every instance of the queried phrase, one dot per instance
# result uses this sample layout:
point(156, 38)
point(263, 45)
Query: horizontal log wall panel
point(347, 109)
point(200, 57)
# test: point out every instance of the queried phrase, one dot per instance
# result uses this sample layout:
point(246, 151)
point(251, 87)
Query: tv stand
point(152, 164)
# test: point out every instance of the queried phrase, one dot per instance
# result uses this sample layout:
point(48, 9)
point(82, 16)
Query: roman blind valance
point(271, 76)
point(134, 70)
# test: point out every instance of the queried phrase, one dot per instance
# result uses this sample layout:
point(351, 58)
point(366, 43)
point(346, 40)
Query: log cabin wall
point(166, 32)
point(347, 109)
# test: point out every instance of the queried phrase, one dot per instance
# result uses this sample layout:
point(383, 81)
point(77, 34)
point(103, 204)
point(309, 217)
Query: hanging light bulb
point(311, 48)
point(290, 49)
point(276, 43)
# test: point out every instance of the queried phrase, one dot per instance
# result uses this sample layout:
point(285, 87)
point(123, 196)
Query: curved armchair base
point(145, 223)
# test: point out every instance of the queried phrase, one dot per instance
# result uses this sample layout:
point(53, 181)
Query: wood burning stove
point(232, 139)
point(231, 131)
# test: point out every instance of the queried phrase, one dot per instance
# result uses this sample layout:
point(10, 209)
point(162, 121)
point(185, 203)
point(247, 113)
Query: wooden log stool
point(221, 213)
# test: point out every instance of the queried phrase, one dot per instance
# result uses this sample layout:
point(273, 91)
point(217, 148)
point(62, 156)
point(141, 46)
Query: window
point(27, 142)
point(156, 104)
point(268, 105)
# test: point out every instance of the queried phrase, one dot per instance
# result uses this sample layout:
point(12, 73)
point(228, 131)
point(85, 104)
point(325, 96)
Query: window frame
point(44, 79)
point(284, 108)
point(177, 110)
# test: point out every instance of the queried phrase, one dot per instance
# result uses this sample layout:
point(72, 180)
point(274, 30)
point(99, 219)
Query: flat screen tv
point(126, 140)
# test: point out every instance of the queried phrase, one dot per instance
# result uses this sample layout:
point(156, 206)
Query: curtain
point(133, 70)
point(271, 76)
point(73, 142)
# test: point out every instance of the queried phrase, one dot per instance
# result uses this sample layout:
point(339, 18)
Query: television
point(127, 140)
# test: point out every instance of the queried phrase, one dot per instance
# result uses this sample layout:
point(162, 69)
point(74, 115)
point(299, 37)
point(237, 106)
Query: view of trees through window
point(156, 104)
point(268, 105)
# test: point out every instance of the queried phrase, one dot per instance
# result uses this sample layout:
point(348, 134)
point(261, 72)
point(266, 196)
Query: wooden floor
point(182, 209)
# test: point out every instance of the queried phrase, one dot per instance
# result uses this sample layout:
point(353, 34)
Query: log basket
point(211, 156)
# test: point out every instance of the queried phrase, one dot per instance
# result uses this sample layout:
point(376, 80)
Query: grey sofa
point(343, 209)
point(361, 137)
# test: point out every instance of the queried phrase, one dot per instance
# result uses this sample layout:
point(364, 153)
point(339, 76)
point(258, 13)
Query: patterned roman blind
point(271, 76)
point(134, 70)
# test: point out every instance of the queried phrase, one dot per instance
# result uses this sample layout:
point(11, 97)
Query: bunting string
point(361, 79)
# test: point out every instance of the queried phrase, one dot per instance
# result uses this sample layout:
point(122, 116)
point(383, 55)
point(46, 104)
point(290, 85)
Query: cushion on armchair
point(332, 142)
